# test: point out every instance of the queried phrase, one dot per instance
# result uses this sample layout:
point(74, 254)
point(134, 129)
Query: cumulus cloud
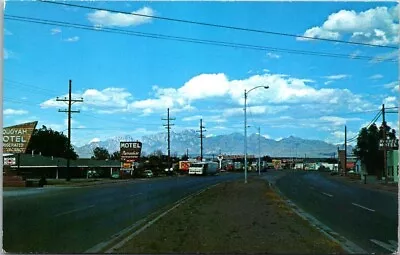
point(108, 19)
point(390, 56)
point(109, 97)
point(376, 77)
point(379, 26)
point(337, 77)
point(283, 90)
point(390, 101)
point(14, 112)
point(72, 39)
point(55, 31)
point(337, 121)
point(273, 55)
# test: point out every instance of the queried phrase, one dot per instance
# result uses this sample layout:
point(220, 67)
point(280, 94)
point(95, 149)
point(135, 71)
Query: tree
point(115, 156)
point(50, 143)
point(367, 148)
point(100, 153)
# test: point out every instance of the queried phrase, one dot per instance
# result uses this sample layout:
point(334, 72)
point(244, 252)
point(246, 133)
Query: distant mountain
point(225, 144)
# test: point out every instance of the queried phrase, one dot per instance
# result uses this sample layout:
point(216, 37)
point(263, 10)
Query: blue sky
point(128, 82)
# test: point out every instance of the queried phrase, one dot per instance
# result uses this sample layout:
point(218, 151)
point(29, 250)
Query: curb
point(115, 241)
point(346, 244)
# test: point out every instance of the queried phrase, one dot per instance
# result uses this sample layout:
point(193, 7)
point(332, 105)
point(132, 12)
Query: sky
point(127, 81)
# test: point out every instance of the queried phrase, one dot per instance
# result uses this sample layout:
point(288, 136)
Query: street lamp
point(245, 129)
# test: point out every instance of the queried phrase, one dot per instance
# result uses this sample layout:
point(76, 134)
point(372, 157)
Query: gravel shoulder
point(232, 217)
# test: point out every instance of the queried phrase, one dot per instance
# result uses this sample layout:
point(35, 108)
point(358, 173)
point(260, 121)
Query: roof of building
point(28, 160)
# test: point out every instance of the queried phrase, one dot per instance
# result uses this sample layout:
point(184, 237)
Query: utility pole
point(69, 111)
point(202, 129)
point(259, 152)
point(345, 150)
point(168, 127)
point(384, 144)
point(187, 153)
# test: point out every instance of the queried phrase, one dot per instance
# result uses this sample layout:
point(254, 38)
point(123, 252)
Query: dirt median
point(232, 217)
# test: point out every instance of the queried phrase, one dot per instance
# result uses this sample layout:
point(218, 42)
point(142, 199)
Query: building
point(393, 165)
point(36, 166)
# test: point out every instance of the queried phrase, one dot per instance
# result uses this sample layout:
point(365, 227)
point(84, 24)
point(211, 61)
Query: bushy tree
point(50, 143)
point(116, 155)
point(100, 153)
point(367, 148)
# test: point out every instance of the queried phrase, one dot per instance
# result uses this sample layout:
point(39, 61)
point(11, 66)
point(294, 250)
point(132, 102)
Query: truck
point(184, 166)
point(203, 168)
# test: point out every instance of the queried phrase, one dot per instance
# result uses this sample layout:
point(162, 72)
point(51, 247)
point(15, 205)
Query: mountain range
point(232, 144)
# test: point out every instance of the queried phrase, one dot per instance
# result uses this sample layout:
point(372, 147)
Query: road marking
point(326, 194)
point(135, 195)
point(363, 207)
point(75, 210)
point(390, 247)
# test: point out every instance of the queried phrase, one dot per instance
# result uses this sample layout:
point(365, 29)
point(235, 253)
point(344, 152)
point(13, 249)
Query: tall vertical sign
point(130, 153)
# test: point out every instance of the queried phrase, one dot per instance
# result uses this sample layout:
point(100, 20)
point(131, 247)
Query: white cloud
point(392, 56)
point(391, 85)
point(7, 54)
point(337, 76)
point(390, 101)
point(273, 55)
point(337, 121)
point(375, 26)
point(109, 19)
point(72, 39)
point(14, 112)
point(283, 90)
point(265, 70)
point(328, 82)
point(376, 77)
point(355, 54)
point(192, 118)
point(109, 97)
point(55, 31)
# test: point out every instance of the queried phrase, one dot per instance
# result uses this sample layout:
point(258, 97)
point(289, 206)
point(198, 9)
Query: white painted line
point(363, 207)
point(326, 194)
point(75, 210)
point(135, 195)
point(386, 246)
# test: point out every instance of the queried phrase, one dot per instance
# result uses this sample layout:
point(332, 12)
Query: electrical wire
point(216, 25)
point(192, 40)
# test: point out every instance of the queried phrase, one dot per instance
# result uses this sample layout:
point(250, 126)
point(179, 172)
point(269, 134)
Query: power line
point(218, 25)
point(193, 40)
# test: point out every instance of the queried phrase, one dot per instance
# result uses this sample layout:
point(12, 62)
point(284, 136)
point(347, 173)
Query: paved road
point(73, 220)
point(366, 217)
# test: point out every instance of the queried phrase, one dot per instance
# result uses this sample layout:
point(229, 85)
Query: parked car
point(148, 173)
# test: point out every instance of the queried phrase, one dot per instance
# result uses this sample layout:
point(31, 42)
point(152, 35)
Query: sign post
point(16, 138)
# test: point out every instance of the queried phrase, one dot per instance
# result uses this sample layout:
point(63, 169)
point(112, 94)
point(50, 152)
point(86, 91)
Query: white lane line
point(135, 195)
point(389, 247)
point(75, 210)
point(363, 207)
point(326, 194)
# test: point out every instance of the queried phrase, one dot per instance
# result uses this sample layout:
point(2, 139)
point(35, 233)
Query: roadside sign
point(16, 138)
point(389, 144)
point(130, 153)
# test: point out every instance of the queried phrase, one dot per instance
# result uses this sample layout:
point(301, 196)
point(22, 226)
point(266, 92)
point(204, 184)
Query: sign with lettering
point(9, 161)
point(130, 153)
point(16, 138)
point(390, 144)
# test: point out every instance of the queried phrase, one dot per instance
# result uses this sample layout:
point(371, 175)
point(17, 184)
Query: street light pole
point(245, 137)
point(259, 152)
point(245, 129)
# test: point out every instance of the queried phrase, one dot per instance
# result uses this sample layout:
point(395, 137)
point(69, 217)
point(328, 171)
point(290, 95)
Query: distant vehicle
point(115, 175)
point(203, 168)
point(184, 166)
point(148, 173)
point(237, 166)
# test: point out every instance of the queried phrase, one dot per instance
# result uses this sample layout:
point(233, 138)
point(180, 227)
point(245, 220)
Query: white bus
point(203, 168)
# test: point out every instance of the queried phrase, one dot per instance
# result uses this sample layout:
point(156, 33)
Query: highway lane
point(73, 220)
point(366, 217)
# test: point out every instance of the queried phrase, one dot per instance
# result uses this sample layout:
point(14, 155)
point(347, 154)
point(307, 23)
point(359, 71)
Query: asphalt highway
point(366, 217)
point(75, 219)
